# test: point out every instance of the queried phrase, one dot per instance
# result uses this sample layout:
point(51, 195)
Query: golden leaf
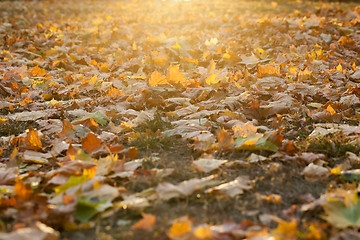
point(180, 227)
point(286, 230)
point(268, 70)
point(156, 79)
point(331, 110)
point(203, 232)
point(210, 80)
point(176, 77)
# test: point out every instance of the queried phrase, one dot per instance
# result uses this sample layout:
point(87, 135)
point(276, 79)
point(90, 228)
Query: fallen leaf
point(167, 191)
point(8, 175)
point(146, 223)
point(180, 227)
point(39, 232)
point(286, 230)
point(232, 188)
point(156, 79)
point(314, 172)
point(207, 165)
point(91, 143)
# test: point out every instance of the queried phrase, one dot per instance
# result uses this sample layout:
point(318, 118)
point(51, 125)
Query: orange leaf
point(331, 110)
point(147, 222)
point(157, 78)
point(21, 191)
point(89, 123)
point(91, 143)
point(225, 141)
point(180, 227)
point(32, 140)
point(38, 72)
point(133, 153)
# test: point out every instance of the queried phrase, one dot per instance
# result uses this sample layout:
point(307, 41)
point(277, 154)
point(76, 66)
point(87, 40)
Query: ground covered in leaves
point(179, 120)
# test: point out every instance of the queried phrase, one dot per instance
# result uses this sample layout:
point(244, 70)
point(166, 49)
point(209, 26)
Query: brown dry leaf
point(91, 143)
point(232, 188)
point(207, 165)
point(225, 140)
point(314, 172)
point(39, 232)
point(147, 222)
point(8, 176)
point(180, 228)
point(167, 191)
point(67, 130)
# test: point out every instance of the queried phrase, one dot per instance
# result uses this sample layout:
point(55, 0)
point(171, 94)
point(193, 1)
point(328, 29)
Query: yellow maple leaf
point(175, 77)
point(180, 227)
point(331, 110)
point(203, 232)
point(339, 68)
point(304, 75)
point(157, 78)
point(210, 80)
point(285, 230)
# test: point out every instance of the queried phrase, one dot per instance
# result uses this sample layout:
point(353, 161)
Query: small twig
point(28, 52)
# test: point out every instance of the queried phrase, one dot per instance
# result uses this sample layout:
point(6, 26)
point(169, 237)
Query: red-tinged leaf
point(147, 222)
point(89, 123)
point(71, 151)
point(133, 153)
point(116, 148)
point(91, 143)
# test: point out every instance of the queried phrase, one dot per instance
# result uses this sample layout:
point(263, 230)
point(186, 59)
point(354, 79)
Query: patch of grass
point(157, 123)
point(150, 140)
point(148, 136)
point(15, 127)
point(333, 145)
